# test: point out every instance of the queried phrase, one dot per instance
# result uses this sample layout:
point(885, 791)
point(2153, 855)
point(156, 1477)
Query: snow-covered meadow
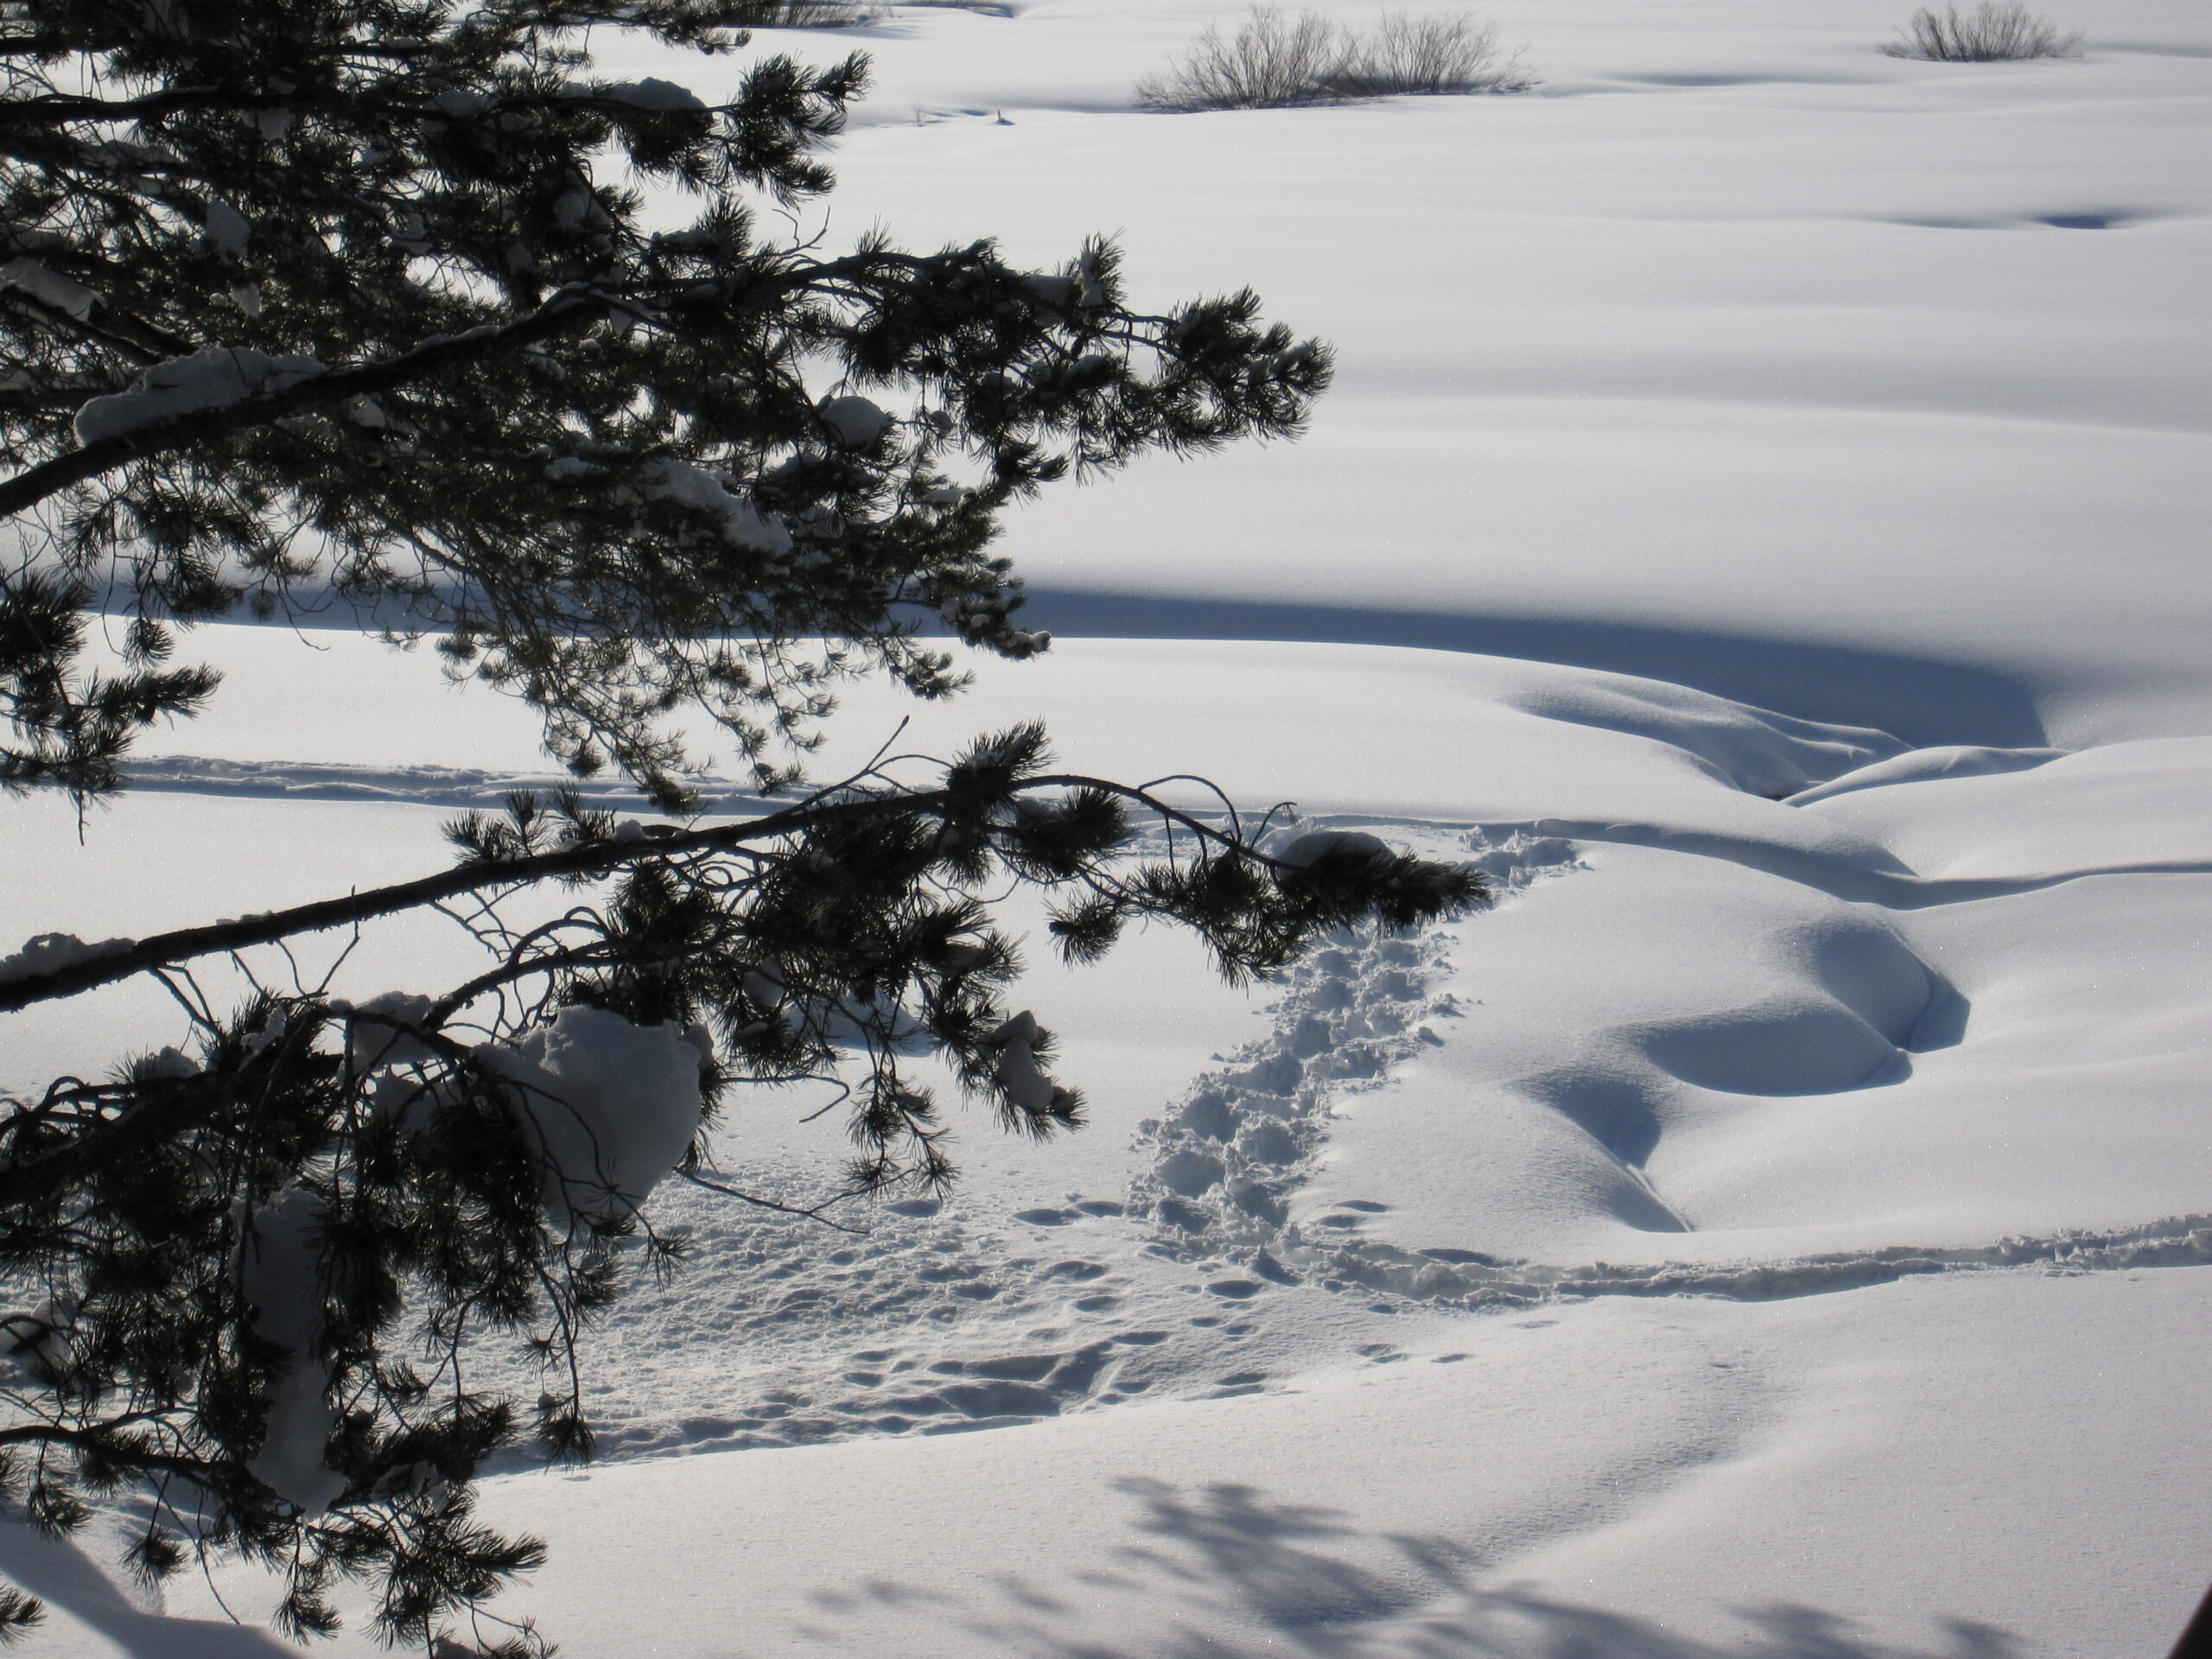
point(1760, 517)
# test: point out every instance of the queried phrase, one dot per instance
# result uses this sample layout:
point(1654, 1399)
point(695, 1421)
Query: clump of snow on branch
point(376, 1037)
point(282, 1283)
point(613, 1107)
point(64, 294)
point(740, 522)
point(227, 228)
point(214, 378)
point(170, 1062)
point(855, 421)
point(1018, 1072)
point(650, 93)
point(49, 953)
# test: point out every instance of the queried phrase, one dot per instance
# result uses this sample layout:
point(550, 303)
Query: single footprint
point(1078, 1272)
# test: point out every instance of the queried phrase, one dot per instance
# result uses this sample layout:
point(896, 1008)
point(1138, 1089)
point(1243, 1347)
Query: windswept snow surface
point(1760, 522)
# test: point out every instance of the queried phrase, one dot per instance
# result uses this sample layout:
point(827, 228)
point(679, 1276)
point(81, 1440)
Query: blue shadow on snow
point(1921, 700)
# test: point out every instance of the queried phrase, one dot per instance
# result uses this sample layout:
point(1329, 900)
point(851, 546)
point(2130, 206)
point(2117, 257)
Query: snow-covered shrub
point(1990, 33)
point(1275, 60)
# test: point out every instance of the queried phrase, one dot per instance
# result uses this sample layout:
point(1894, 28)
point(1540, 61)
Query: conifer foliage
point(385, 304)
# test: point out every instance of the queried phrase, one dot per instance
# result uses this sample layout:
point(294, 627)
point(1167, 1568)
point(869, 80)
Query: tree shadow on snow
point(1225, 1573)
point(1923, 701)
point(72, 1582)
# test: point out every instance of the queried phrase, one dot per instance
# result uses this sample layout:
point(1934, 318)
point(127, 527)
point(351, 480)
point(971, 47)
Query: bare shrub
point(1276, 60)
point(1990, 33)
point(806, 14)
point(1272, 61)
point(1443, 51)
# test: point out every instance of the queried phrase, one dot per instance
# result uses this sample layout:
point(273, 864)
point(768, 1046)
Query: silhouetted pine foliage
point(355, 303)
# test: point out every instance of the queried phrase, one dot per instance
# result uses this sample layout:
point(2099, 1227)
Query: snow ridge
point(1468, 1279)
point(1226, 1158)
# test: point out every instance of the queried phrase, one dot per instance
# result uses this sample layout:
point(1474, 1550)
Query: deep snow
point(1760, 519)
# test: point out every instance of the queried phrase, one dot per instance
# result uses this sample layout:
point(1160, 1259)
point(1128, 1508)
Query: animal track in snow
point(1228, 1154)
point(1225, 1157)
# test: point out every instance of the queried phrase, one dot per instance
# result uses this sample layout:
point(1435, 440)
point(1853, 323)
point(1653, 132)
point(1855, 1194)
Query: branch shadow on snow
point(1922, 700)
point(73, 1582)
point(1247, 1577)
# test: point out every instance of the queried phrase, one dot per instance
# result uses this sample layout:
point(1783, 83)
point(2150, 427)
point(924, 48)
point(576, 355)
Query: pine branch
point(568, 310)
point(596, 858)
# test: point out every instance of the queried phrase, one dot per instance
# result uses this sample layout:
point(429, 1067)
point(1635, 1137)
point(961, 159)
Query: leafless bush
point(1275, 60)
point(1444, 52)
point(807, 13)
point(1989, 34)
point(1271, 61)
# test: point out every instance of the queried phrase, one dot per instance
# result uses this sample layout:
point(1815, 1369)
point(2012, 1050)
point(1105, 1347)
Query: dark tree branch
point(35, 484)
point(593, 859)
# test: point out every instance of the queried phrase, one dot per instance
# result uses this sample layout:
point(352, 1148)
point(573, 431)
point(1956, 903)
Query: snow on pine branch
point(49, 287)
point(650, 93)
point(49, 953)
point(217, 378)
point(740, 522)
point(613, 1106)
point(284, 1286)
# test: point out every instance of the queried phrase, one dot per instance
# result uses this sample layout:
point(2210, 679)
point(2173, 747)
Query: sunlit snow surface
point(1761, 519)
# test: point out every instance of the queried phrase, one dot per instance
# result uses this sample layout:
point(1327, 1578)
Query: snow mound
point(1950, 760)
point(1755, 750)
point(856, 421)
